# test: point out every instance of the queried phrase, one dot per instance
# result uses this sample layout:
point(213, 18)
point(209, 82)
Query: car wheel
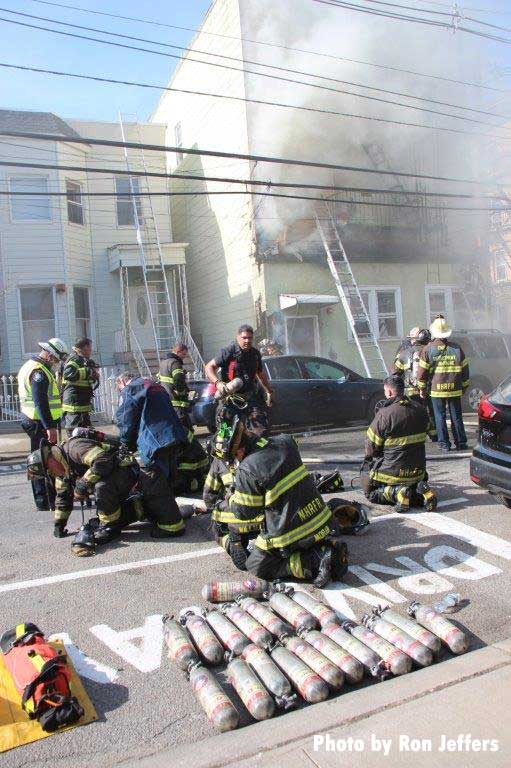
point(373, 402)
point(506, 501)
point(476, 390)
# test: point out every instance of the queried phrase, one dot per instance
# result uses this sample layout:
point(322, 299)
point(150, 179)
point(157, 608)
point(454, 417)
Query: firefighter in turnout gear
point(406, 364)
point(298, 538)
point(241, 361)
point(41, 407)
point(395, 452)
point(80, 378)
point(444, 373)
point(83, 467)
point(193, 462)
point(148, 423)
point(232, 534)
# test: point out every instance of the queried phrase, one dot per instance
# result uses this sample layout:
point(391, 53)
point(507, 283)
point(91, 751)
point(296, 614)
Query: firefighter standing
point(40, 405)
point(406, 364)
point(444, 372)
point(148, 423)
point(231, 533)
point(298, 537)
point(193, 462)
point(79, 379)
point(395, 451)
point(242, 361)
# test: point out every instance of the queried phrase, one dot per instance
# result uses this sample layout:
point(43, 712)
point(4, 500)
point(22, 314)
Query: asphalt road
point(111, 605)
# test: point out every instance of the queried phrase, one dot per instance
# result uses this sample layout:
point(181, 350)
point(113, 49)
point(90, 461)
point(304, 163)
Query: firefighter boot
point(59, 529)
point(159, 532)
point(236, 550)
point(339, 559)
point(324, 574)
point(105, 533)
point(402, 496)
point(428, 494)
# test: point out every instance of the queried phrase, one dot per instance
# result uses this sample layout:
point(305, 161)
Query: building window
point(450, 302)
point(37, 316)
point(500, 219)
point(82, 312)
point(125, 211)
point(302, 335)
point(383, 306)
point(501, 266)
point(178, 137)
point(34, 206)
point(75, 214)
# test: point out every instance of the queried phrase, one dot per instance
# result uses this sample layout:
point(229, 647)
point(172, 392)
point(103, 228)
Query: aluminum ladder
point(349, 294)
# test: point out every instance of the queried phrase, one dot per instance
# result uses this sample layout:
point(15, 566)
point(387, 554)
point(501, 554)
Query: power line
point(275, 67)
point(452, 14)
point(235, 69)
point(246, 182)
point(234, 155)
point(315, 110)
point(271, 45)
point(413, 19)
point(202, 193)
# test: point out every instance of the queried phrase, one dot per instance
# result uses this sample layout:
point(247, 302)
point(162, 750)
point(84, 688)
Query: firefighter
point(242, 361)
point(40, 406)
point(80, 377)
point(148, 423)
point(444, 373)
point(193, 462)
point(232, 534)
point(298, 537)
point(395, 452)
point(82, 467)
point(406, 364)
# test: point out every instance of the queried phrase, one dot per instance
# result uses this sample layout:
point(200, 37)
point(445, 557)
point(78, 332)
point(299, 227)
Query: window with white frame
point(383, 306)
point(75, 212)
point(178, 137)
point(126, 196)
point(449, 301)
point(37, 309)
point(501, 265)
point(82, 311)
point(30, 200)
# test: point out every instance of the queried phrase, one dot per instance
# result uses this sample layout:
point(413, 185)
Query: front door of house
point(140, 316)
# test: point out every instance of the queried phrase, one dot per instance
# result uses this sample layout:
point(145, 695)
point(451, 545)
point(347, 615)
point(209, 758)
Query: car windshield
point(491, 347)
point(502, 395)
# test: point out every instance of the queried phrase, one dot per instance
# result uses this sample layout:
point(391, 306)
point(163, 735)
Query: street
point(110, 606)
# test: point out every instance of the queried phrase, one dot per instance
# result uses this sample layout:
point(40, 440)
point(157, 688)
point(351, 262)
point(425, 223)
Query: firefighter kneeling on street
point(395, 452)
point(298, 538)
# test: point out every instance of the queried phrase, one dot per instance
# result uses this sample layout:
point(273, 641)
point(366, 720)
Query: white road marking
point(91, 572)
point(84, 665)
point(145, 656)
point(452, 502)
point(450, 527)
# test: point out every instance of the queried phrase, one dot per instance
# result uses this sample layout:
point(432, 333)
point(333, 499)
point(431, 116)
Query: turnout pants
point(158, 502)
point(43, 491)
point(110, 492)
point(404, 495)
point(192, 466)
point(301, 564)
point(72, 420)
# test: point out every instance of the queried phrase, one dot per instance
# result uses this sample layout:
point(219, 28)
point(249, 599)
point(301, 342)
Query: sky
point(86, 99)
point(89, 100)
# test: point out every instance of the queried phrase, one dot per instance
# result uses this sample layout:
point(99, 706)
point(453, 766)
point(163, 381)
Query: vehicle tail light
point(488, 411)
point(475, 479)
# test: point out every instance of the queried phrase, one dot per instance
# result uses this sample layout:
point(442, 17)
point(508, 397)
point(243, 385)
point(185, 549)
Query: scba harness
point(41, 676)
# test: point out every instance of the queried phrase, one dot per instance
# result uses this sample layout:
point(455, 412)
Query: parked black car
point(309, 391)
point(490, 465)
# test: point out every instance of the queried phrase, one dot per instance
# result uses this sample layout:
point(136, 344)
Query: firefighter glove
point(82, 490)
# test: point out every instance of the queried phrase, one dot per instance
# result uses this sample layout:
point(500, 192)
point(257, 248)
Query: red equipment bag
point(41, 677)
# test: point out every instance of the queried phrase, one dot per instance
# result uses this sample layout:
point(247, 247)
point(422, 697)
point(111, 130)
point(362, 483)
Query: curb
point(251, 743)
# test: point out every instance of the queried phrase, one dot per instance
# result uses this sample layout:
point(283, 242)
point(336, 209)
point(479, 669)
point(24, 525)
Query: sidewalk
point(458, 701)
